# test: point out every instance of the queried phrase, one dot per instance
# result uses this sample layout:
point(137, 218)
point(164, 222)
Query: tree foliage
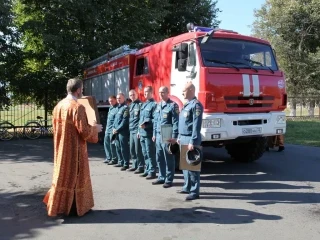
point(293, 28)
point(181, 12)
point(9, 52)
point(59, 36)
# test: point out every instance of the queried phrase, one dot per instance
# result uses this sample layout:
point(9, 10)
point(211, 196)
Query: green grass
point(305, 132)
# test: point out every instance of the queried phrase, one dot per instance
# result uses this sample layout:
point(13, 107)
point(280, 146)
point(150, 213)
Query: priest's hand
point(99, 127)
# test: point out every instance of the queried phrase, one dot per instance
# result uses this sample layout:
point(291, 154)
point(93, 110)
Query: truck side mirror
point(182, 56)
point(182, 65)
point(183, 51)
point(182, 47)
point(192, 55)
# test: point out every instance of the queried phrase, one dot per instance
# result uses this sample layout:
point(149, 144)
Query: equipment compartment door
point(87, 87)
point(98, 90)
point(95, 88)
point(108, 86)
point(122, 81)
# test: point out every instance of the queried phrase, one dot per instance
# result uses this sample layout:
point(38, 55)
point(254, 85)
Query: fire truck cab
point(237, 80)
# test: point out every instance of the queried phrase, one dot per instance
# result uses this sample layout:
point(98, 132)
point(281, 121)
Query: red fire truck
point(237, 80)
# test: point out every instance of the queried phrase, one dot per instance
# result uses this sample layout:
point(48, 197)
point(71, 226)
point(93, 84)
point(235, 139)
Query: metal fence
point(306, 108)
point(303, 107)
point(21, 114)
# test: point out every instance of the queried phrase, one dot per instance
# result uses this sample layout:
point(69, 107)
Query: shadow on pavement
point(176, 215)
point(267, 198)
point(38, 150)
point(285, 177)
point(22, 214)
point(25, 150)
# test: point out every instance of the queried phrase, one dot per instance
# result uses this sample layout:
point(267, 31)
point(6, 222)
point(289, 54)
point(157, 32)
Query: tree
point(293, 28)
point(9, 57)
point(180, 13)
point(59, 36)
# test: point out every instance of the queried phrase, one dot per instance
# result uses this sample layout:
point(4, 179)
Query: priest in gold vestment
point(71, 187)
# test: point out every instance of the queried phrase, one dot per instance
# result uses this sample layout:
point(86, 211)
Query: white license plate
point(256, 130)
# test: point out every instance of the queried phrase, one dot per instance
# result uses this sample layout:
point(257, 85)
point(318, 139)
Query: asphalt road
point(275, 198)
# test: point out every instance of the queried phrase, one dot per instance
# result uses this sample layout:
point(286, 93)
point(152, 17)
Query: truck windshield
point(218, 52)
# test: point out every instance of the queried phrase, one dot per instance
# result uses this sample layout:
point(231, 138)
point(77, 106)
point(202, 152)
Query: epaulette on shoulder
point(173, 104)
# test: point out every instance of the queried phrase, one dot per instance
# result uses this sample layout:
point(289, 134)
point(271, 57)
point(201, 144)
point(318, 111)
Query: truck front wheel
point(249, 151)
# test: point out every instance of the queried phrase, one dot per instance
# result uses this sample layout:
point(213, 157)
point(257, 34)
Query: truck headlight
point(281, 119)
point(211, 123)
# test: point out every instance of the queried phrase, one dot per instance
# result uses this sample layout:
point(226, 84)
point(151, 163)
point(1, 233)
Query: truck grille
point(248, 105)
point(249, 102)
point(240, 98)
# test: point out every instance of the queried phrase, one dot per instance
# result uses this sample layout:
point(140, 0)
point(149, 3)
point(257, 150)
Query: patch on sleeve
point(198, 109)
point(126, 112)
point(176, 109)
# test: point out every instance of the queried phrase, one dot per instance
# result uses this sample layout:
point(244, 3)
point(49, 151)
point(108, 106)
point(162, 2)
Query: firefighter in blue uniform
point(135, 146)
point(167, 112)
point(121, 132)
point(145, 133)
point(110, 148)
point(190, 121)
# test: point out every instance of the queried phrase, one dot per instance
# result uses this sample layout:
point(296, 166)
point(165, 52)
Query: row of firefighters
point(133, 131)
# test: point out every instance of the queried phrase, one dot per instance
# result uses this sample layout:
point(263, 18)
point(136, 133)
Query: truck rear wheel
point(248, 151)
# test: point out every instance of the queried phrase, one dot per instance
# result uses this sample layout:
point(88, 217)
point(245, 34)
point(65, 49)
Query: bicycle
point(34, 129)
point(7, 131)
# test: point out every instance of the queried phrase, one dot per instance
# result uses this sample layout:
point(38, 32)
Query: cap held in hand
point(113, 137)
point(193, 157)
point(173, 148)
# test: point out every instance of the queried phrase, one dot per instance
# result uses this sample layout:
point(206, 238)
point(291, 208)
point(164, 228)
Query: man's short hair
point(74, 84)
point(164, 88)
point(149, 88)
point(132, 91)
point(113, 97)
point(121, 94)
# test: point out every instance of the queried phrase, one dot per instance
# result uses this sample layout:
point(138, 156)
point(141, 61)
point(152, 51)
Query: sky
point(237, 15)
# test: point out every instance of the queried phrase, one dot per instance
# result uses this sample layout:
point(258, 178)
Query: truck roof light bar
point(192, 28)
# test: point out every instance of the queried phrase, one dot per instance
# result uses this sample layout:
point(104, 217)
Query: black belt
point(187, 135)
